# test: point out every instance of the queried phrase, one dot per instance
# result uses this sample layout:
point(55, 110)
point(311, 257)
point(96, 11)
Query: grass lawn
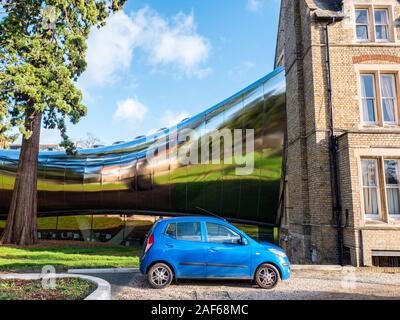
point(67, 254)
point(66, 289)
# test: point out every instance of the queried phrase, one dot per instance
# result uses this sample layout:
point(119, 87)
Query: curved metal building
point(122, 179)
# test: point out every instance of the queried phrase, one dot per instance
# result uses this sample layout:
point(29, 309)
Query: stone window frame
point(392, 34)
point(379, 70)
point(383, 215)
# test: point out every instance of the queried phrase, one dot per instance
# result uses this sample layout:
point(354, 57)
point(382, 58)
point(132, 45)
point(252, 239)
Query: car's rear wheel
point(160, 276)
point(267, 276)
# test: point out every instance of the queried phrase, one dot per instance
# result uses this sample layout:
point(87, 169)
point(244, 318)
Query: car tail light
point(149, 243)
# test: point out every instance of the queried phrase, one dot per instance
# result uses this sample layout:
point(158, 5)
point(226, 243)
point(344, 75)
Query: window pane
point(368, 86)
point(388, 97)
point(381, 33)
point(220, 234)
point(368, 96)
point(371, 201)
point(369, 110)
point(381, 17)
point(392, 172)
point(381, 24)
point(393, 186)
point(362, 24)
point(389, 111)
point(362, 16)
point(362, 32)
point(393, 199)
point(388, 86)
point(189, 231)
point(369, 172)
point(171, 230)
point(370, 190)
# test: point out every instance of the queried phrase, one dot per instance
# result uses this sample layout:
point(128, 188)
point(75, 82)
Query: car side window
point(188, 231)
point(218, 233)
point(171, 230)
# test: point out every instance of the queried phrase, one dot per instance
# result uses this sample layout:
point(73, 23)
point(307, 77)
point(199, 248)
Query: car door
point(186, 249)
point(227, 257)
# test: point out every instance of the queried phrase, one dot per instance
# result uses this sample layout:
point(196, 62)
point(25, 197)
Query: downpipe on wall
point(333, 150)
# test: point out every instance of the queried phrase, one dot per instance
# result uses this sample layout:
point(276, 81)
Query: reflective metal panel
point(92, 191)
point(2, 195)
point(73, 183)
point(145, 175)
point(8, 170)
point(253, 117)
point(110, 181)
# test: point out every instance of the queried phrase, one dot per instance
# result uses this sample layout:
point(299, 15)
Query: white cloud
point(254, 5)
point(174, 42)
point(165, 42)
point(171, 118)
point(130, 110)
point(111, 49)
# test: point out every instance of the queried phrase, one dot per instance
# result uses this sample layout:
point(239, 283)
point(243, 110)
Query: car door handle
point(213, 250)
point(169, 245)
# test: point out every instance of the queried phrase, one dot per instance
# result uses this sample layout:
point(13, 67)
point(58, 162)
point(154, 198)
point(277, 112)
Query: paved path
point(303, 285)
point(118, 281)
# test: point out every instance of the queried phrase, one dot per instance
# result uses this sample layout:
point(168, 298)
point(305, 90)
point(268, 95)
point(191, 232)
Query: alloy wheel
point(160, 276)
point(267, 276)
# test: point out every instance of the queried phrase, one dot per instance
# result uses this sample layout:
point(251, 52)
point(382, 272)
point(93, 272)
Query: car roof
point(192, 219)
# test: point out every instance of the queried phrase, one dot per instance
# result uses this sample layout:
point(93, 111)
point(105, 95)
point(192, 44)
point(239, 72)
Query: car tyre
point(267, 276)
point(160, 276)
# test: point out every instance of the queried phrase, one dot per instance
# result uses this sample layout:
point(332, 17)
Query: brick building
point(342, 164)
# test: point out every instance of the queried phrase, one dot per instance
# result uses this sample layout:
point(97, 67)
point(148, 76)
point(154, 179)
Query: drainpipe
point(333, 151)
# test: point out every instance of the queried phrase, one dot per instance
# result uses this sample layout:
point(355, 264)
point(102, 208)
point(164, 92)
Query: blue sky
point(160, 61)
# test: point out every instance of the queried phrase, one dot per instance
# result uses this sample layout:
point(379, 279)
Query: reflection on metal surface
point(117, 229)
point(119, 178)
point(128, 230)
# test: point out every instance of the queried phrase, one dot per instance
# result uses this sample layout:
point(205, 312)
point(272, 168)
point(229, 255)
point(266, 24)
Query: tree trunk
point(21, 228)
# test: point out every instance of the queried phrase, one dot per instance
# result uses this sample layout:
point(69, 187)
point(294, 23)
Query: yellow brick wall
point(310, 224)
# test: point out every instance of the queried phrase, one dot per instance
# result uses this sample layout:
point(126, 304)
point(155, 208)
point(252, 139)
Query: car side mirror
point(244, 241)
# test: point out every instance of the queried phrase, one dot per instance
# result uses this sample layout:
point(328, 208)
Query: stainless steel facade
point(121, 179)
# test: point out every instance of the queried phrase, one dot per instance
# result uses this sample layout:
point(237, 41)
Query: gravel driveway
point(314, 285)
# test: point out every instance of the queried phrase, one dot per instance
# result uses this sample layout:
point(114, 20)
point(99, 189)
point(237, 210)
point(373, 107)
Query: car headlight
point(277, 252)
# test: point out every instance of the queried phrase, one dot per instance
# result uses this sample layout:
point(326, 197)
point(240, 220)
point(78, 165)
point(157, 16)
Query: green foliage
point(66, 289)
point(42, 54)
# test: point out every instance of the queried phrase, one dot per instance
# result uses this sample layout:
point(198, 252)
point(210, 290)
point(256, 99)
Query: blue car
point(209, 248)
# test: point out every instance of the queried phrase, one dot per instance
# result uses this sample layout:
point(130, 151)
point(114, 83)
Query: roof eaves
point(327, 15)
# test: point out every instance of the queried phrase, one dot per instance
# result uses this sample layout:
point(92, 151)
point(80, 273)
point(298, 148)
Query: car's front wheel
point(160, 276)
point(267, 276)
